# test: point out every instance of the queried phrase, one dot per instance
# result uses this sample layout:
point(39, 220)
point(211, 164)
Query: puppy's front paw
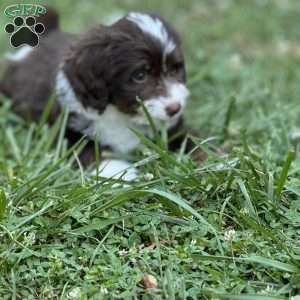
point(117, 169)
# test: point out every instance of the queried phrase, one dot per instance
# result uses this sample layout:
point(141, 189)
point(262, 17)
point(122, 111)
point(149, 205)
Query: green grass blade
point(249, 204)
point(3, 205)
point(248, 297)
point(284, 173)
point(251, 259)
point(98, 225)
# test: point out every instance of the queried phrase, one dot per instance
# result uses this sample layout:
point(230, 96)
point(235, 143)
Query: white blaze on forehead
point(154, 27)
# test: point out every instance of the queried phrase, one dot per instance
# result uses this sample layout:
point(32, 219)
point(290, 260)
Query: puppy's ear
point(86, 67)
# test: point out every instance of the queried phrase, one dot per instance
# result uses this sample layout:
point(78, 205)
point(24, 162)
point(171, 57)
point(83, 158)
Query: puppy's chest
point(112, 128)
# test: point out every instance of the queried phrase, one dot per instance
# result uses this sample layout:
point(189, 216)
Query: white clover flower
point(30, 238)
point(229, 235)
point(148, 176)
point(193, 242)
point(244, 211)
point(297, 297)
point(104, 290)
point(75, 293)
point(123, 252)
point(235, 61)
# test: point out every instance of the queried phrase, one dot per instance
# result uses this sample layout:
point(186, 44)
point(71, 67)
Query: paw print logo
point(24, 31)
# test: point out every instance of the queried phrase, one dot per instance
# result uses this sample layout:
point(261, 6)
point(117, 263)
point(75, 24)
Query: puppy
point(99, 76)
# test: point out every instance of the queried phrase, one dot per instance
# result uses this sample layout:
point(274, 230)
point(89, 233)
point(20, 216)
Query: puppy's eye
point(176, 68)
point(140, 75)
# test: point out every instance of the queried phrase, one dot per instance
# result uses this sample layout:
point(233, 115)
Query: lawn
point(227, 229)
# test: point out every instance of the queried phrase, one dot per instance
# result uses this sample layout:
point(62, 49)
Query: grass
point(228, 229)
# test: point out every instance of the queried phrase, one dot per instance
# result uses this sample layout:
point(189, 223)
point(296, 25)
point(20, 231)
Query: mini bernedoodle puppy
point(99, 76)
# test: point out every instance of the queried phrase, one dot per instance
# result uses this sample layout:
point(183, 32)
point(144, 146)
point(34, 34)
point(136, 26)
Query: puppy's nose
point(173, 109)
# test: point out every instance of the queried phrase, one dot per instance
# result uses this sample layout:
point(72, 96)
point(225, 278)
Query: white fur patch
point(66, 95)
point(20, 54)
point(176, 93)
point(117, 169)
point(154, 27)
point(112, 127)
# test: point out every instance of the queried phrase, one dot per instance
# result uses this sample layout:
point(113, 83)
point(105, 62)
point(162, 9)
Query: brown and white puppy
point(99, 76)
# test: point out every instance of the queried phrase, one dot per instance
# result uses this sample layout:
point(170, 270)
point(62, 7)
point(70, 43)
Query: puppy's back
point(29, 81)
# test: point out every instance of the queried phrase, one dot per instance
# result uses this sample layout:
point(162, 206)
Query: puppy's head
point(138, 57)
